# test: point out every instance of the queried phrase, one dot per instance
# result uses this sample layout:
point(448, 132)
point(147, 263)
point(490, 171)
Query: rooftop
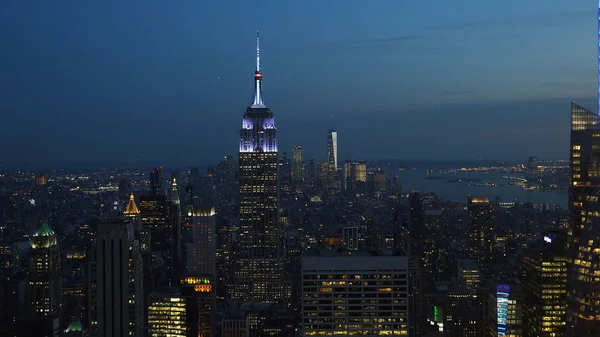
point(44, 230)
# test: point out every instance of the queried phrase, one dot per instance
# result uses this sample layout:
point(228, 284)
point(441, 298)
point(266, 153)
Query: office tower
point(416, 230)
point(117, 308)
point(297, 164)
point(584, 230)
point(158, 238)
point(201, 298)
point(259, 271)
point(312, 171)
point(380, 181)
point(9, 282)
point(44, 286)
point(350, 237)
point(44, 273)
point(360, 171)
point(416, 224)
point(358, 293)
point(332, 152)
point(504, 309)
point(125, 189)
point(480, 231)
point(545, 288)
point(174, 220)
point(201, 257)
point(347, 175)
point(169, 315)
point(396, 186)
point(156, 181)
point(468, 274)
point(324, 173)
point(227, 183)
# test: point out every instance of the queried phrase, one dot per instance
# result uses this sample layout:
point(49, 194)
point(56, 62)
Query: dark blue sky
point(118, 81)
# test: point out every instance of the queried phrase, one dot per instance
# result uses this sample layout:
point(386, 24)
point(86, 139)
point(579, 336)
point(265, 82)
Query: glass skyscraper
point(583, 236)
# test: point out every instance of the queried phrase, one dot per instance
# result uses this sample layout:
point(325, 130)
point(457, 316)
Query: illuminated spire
point(257, 53)
point(258, 99)
point(131, 206)
point(175, 193)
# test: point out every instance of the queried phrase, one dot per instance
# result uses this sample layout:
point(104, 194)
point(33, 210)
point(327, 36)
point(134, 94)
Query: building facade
point(584, 227)
point(354, 293)
point(117, 307)
point(259, 263)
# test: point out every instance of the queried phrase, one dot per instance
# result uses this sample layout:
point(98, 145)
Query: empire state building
point(259, 269)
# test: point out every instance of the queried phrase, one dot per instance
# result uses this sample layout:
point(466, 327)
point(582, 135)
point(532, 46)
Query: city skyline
point(98, 77)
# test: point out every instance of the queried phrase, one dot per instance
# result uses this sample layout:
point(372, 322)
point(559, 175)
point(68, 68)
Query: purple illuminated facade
point(259, 264)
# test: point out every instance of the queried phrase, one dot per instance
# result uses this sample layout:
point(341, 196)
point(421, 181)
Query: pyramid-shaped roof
point(75, 326)
point(44, 230)
point(131, 206)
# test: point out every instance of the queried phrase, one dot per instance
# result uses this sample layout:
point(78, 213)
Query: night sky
point(168, 81)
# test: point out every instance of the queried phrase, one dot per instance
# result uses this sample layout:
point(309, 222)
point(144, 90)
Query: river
point(458, 191)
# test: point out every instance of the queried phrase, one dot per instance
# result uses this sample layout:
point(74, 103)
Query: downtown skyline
point(170, 90)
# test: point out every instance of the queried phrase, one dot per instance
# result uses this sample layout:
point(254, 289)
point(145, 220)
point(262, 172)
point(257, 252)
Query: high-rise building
point(201, 257)
point(44, 286)
point(169, 315)
point(297, 164)
point(259, 270)
point(360, 171)
point(159, 237)
point(354, 293)
point(44, 273)
point(468, 274)
point(584, 228)
point(117, 307)
point(156, 181)
point(201, 296)
point(504, 309)
point(480, 231)
point(545, 288)
point(332, 152)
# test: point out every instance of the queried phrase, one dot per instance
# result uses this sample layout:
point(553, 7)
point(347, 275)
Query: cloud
point(456, 92)
point(521, 21)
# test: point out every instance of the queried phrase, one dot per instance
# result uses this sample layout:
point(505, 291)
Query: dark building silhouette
point(117, 297)
point(156, 181)
point(480, 231)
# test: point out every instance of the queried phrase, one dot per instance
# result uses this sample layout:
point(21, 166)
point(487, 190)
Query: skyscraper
point(156, 181)
point(117, 304)
point(259, 270)
point(545, 288)
point(297, 164)
point(583, 238)
point(201, 257)
point(332, 152)
point(480, 231)
point(44, 274)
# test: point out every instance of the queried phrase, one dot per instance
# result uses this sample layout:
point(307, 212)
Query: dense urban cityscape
point(268, 242)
